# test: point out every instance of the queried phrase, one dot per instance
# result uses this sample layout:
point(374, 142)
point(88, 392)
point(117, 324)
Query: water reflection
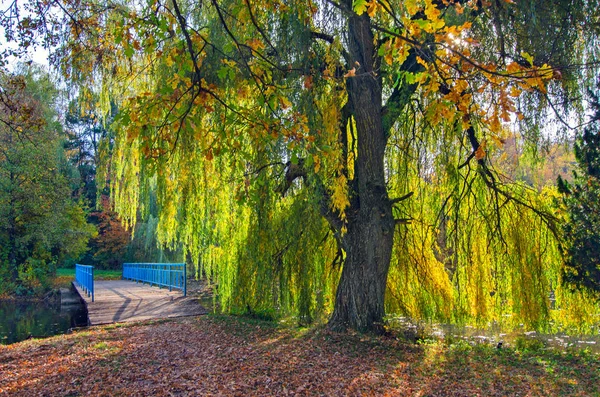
point(23, 320)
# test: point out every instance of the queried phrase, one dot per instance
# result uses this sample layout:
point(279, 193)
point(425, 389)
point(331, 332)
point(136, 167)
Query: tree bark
point(370, 224)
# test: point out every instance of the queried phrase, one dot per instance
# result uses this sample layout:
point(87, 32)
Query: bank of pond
point(24, 319)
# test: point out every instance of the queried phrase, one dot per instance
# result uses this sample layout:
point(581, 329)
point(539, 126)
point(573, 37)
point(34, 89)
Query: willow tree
point(230, 109)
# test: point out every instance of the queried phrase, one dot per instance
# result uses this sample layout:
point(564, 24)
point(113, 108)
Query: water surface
point(34, 319)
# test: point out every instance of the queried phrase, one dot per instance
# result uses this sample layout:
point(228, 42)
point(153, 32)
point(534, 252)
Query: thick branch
point(188, 40)
point(401, 95)
point(402, 198)
point(295, 171)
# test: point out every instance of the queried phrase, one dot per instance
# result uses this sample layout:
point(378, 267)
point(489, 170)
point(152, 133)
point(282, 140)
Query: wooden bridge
point(159, 292)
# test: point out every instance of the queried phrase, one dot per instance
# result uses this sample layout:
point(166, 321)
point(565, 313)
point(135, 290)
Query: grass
point(98, 274)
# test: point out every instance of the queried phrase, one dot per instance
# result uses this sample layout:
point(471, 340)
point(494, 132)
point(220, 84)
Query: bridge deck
point(121, 300)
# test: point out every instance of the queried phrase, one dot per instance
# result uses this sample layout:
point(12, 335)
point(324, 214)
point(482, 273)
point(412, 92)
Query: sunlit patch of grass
point(529, 344)
point(83, 334)
point(101, 346)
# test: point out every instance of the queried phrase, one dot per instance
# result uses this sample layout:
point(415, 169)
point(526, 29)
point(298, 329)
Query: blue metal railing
point(171, 275)
point(84, 275)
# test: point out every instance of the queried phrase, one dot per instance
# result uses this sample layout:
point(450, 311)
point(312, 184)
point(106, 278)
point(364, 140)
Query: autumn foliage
point(107, 250)
point(340, 159)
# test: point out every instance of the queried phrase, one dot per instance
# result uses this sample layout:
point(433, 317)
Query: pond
point(34, 319)
point(497, 336)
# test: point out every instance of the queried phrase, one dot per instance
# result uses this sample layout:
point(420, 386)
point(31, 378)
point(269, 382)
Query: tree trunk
point(370, 230)
point(12, 228)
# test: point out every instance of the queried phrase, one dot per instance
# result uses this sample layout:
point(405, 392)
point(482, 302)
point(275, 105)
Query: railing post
point(184, 279)
point(84, 276)
point(92, 282)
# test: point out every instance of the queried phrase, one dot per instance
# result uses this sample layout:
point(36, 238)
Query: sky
point(38, 54)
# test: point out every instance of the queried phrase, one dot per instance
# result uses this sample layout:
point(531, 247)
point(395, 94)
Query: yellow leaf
point(499, 141)
point(351, 73)
point(402, 54)
point(284, 102)
point(411, 7)
point(515, 92)
point(494, 123)
point(256, 44)
point(360, 6)
point(546, 72)
point(431, 11)
point(513, 68)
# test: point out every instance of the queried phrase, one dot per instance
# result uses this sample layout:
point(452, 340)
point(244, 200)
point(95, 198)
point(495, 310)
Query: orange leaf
point(480, 152)
point(372, 8)
point(308, 83)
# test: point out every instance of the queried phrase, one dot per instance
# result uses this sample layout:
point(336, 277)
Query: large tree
point(282, 124)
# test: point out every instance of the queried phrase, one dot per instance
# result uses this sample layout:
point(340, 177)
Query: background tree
point(581, 198)
point(41, 226)
point(107, 249)
point(86, 135)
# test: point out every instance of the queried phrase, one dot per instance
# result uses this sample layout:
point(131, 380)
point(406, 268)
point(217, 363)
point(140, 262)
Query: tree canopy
point(341, 157)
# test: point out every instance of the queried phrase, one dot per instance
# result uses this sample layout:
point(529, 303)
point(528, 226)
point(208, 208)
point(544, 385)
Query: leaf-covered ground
point(227, 356)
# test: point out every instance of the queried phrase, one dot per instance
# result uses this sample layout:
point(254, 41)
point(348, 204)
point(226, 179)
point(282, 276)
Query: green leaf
point(423, 23)
point(527, 57)
point(129, 51)
point(294, 158)
point(360, 6)
point(223, 72)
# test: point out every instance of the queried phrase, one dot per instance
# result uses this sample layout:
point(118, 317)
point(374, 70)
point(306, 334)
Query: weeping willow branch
point(295, 171)
point(492, 183)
